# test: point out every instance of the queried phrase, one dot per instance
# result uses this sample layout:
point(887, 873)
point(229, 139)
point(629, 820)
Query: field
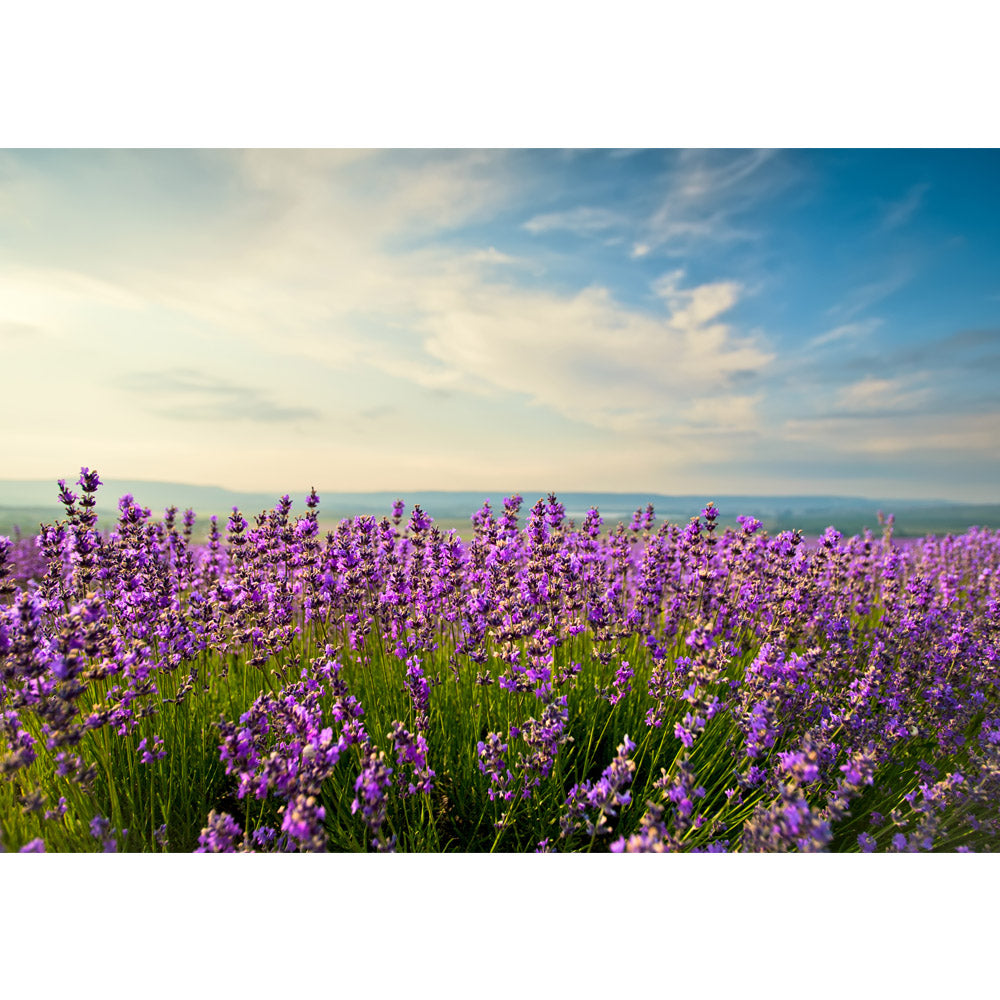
point(538, 684)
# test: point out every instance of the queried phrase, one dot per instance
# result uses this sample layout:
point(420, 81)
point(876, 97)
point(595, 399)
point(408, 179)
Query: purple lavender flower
point(100, 829)
point(411, 753)
point(419, 521)
point(542, 738)
point(622, 682)
point(303, 823)
point(800, 765)
point(788, 823)
point(219, 836)
point(493, 763)
point(156, 753)
point(89, 481)
point(866, 842)
point(588, 806)
point(372, 786)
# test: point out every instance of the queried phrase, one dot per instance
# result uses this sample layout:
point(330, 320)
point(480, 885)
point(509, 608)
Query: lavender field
point(536, 685)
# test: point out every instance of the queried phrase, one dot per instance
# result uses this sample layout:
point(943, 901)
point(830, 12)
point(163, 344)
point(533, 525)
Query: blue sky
point(678, 321)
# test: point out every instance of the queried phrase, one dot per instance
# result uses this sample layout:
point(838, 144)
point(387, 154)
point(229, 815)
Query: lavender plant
point(539, 685)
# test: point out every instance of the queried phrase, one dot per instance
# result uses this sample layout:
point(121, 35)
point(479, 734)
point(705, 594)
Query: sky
point(681, 321)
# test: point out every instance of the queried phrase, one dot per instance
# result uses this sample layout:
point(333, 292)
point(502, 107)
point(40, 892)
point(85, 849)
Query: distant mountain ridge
point(27, 502)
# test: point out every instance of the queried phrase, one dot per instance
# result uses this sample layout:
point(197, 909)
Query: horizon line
point(703, 496)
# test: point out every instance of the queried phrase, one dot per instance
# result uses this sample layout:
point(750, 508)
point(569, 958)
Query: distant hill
point(26, 503)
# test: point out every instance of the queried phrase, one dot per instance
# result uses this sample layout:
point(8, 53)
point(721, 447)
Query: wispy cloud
point(581, 221)
point(847, 332)
point(189, 395)
point(493, 256)
point(920, 436)
point(963, 348)
point(695, 199)
point(19, 332)
point(960, 361)
point(864, 296)
point(704, 193)
point(883, 395)
point(900, 212)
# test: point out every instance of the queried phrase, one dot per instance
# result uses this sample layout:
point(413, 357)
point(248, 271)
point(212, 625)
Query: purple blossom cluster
point(371, 799)
point(411, 757)
point(590, 804)
point(785, 689)
point(537, 742)
point(668, 823)
point(285, 748)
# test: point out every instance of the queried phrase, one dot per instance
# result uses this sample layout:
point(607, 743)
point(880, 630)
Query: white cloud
point(873, 394)
point(847, 332)
point(694, 307)
point(591, 359)
point(329, 259)
point(704, 175)
point(493, 256)
point(297, 251)
point(582, 221)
